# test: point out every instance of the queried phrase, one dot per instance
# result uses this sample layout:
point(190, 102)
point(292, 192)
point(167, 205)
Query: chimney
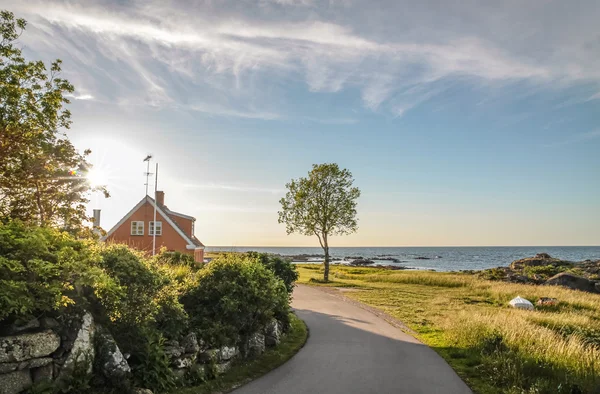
point(160, 197)
point(96, 222)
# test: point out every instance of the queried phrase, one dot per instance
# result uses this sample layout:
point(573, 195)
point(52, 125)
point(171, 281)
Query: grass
point(467, 320)
point(245, 372)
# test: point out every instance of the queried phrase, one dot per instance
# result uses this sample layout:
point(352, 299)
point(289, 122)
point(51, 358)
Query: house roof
point(192, 241)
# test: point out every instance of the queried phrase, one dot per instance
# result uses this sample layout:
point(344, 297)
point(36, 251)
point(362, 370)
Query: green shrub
point(234, 297)
point(42, 271)
point(151, 365)
point(282, 268)
point(175, 258)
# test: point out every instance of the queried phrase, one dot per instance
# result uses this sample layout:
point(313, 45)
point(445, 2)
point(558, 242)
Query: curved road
point(350, 350)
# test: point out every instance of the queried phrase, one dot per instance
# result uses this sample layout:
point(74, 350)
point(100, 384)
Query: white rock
point(83, 346)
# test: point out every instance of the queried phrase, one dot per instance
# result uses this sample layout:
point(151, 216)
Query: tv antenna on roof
point(147, 173)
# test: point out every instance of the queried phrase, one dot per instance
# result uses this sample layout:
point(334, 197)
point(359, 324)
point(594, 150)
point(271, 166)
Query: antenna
point(147, 173)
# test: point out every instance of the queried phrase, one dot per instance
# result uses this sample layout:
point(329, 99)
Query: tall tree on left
point(42, 175)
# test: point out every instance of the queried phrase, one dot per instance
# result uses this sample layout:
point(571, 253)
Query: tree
point(323, 204)
point(42, 176)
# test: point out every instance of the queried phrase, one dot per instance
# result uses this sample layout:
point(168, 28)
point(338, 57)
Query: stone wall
point(50, 350)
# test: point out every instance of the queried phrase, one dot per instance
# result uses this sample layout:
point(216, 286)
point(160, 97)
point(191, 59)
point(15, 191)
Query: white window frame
point(158, 228)
point(136, 227)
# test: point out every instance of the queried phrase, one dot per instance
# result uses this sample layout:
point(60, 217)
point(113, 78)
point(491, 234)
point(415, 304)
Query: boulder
point(539, 259)
point(362, 262)
point(222, 367)
point(571, 281)
point(82, 348)
point(255, 346)
point(185, 361)
point(18, 327)
point(139, 390)
point(272, 333)
point(42, 374)
point(190, 344)
point(226, 353)
point(515, 278)
point(172, 349)
point(208, 356)
point(15, 382)
point(48, 322)
point(111, 362)
point(27, 346)
point(547, 301)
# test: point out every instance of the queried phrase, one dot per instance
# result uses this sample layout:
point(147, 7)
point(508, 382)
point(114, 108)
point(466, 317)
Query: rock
point(207, 356)
point(48, 322)
point(15, 382)
point(571, 281)
point(27, 346)
point(597, 287)
point(517, 278)
point(222, 367)
point(255, 346)
point(422, 258)
point(35, 363)
point(547, 301)
point(8, 367)
point(226, 353)
point(172, 349)
point(539, 259)
point(82, 349)
point(17, 328)
point(190, 343)
point(111, 362)
point(42, 374)
point(139, 390)
point(362, 262)
point(272, 333)
point(183, 362)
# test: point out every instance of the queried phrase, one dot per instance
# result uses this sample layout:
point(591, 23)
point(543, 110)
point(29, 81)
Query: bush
point(282, 268)
point(42, 271)
point(234, 297)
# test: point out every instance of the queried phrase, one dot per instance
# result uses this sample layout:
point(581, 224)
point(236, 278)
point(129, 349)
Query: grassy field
point(245, 372)
point(467, 320)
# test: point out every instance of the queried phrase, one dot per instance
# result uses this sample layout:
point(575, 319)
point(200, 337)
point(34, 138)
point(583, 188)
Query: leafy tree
point(322, 204)
point(41, 172)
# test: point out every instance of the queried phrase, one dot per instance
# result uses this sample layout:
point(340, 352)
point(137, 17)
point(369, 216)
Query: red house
point(174, 230)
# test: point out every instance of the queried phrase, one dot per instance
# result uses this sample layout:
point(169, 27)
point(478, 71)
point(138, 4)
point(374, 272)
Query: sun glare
point(97, 177)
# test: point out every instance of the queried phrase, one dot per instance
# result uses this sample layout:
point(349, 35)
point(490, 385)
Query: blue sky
point(471, 124)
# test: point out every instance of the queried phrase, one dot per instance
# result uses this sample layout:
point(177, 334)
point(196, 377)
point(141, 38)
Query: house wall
point(199, 255)
point(169, 238)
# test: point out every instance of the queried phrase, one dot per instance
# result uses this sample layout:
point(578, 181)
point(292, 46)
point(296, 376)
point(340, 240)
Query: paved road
point(350, 350)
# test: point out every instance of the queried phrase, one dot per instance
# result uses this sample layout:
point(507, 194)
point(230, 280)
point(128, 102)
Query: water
point(437, 258)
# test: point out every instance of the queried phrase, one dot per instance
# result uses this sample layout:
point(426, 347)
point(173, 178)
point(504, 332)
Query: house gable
point(173, 234)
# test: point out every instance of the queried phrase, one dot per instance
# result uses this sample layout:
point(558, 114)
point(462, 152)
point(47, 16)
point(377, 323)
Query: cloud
point(576, 138)
point(232, 188)
point(166, 53)
point(80, 97)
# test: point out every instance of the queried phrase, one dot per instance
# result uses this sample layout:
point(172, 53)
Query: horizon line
point(418, 246)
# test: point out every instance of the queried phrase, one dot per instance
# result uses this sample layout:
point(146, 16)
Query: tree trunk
point(326, 263)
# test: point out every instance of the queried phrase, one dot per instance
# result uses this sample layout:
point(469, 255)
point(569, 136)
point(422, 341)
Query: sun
point(96, 177)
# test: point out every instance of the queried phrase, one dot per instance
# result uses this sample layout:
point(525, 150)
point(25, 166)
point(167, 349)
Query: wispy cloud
point(232, 188)
point(576, 138)
point(228, 51)
point(80, 96)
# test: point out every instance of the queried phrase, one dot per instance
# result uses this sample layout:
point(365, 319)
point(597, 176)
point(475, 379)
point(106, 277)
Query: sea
point(429, 258)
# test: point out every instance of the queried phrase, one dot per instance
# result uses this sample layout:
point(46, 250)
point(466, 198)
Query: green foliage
point(151, 365)
point(282, 268)
point(234, 296)
point(40, 270)
point(323, 204)
point(175, 258)
point(35, 181)
point(545, 271)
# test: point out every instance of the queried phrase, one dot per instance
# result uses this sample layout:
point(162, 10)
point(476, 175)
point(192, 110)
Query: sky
point(475, 123)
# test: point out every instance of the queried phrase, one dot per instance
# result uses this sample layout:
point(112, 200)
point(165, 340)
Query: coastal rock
point(571, 281)
point(362, 262)
point(23, 347)
point(539, 259)
point(15, 382)
point(422, 258)
point(515, 278)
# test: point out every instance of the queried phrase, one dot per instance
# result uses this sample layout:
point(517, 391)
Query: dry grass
point(492, 346)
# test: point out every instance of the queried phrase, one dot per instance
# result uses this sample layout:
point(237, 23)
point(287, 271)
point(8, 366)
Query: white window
point(137, 228)
point(153, 225)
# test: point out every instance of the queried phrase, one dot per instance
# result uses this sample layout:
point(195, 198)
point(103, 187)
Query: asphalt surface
point(351, 350)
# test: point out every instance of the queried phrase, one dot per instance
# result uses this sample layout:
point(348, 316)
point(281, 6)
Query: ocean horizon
point(443, 258)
